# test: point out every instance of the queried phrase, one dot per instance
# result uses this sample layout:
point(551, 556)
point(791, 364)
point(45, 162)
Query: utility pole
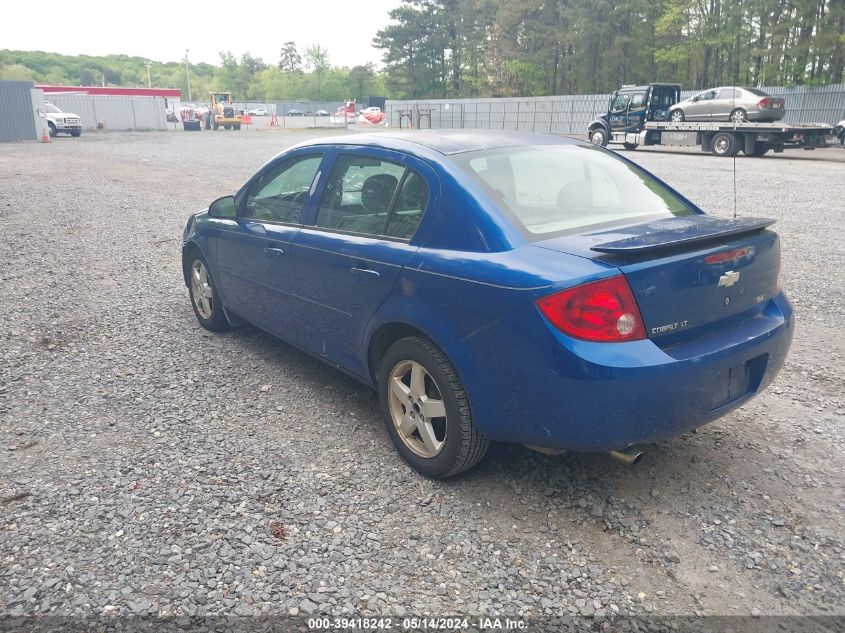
point(188, 75)
point(149, 81)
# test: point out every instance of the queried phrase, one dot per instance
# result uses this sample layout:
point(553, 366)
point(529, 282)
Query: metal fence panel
point(17, 120)
point(113, 112)
point(571, 114)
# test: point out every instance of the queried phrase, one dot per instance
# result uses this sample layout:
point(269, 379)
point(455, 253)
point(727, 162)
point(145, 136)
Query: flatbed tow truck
point(638, 115)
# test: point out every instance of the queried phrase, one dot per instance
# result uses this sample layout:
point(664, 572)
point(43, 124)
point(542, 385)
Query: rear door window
point(373, 197)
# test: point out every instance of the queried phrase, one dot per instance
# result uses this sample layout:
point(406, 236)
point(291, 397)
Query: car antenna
point(733, 107)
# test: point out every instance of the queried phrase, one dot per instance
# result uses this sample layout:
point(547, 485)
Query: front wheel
point(677, 116)
point(76, 133)
point(426, 410)
point(598, 137)
point(204, 297)
point(53, 131)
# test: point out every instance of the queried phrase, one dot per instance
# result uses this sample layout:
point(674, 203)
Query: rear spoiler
point(681, 231)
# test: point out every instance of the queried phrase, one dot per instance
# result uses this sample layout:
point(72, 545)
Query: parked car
point(295, 112)
point(321, 113)
point(729, 103)
point(497, 286)
point(371, 110)
point(258, 112)
point(62, 122)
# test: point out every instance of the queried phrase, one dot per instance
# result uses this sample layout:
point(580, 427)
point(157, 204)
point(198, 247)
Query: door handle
point(363, 274)
point(273, 252)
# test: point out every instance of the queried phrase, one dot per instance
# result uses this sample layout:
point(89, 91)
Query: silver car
point(729, 103)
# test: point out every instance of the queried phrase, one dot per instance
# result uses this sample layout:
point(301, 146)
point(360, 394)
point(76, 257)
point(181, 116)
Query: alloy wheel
point(417, 409)
point(201, 291)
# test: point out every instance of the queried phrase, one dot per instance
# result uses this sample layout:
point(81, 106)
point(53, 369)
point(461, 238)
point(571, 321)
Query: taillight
point(602, 311)
point(764, 103)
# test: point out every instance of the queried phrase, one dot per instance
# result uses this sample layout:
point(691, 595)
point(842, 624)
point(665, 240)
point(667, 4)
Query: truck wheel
point(739, 116)
point(629, 145)
point(677, 116)
point(724, 144)
point(760, 148)
point(76, 133)
point(52, 129)
point(598, 137)
point(237, 126)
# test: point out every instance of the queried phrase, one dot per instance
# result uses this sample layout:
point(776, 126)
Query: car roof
point(446, 142)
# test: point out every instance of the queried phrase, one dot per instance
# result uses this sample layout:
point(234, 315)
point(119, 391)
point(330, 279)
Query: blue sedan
point(497, 286)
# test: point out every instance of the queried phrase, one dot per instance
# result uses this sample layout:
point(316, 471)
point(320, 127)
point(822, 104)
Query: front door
point(253, 253)
point(701, 108)
point(345, 265)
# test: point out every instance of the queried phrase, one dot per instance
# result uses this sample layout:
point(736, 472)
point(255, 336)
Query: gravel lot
point(147, 466)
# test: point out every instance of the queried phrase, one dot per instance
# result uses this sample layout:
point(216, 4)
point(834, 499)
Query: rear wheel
point(629, 145)
point(677, 116)
point(237, 126)
point(598, 136)
point(739, 116)
point(204, 298)
point(724, 144)
point(760, 148)
point(426, 411)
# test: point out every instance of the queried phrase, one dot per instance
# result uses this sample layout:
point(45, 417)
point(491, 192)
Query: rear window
point(754, 91)
point(555, 189)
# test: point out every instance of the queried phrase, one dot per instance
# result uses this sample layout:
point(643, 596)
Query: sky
point(163, 30)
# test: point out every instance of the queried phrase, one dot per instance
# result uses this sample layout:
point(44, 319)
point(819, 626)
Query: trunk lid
point(690, 275)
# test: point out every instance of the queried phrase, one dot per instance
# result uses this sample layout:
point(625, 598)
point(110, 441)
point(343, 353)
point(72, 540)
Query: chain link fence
point(571, 114)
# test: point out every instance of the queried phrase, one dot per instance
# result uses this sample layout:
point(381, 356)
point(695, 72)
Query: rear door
point(724, 103)
point(253, 255)
point(345, 262)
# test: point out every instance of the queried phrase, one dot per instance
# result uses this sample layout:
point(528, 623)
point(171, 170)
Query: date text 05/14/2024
point(416, 624)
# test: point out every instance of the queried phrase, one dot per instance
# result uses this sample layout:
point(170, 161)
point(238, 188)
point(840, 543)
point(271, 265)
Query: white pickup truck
point(62, 121)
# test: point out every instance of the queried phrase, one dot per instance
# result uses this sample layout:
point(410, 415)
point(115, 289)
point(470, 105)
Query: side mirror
point(223, 208)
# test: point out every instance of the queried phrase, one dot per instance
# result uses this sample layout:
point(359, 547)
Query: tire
point(52, 129)
point(215, 125)
point(739, 116)
point(228, 126)
point(598, 136)
point(76, 134)
point(631, 146)
point(454, 442)
point(237, 126)
point(760, 148)
point(677, 116)
point(210, 315)
point(724, 144)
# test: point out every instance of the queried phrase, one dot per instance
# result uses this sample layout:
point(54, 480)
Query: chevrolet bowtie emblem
point(728, 279)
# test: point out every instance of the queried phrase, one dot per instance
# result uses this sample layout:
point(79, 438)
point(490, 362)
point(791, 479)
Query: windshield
point(51, 108)
point(565, 188)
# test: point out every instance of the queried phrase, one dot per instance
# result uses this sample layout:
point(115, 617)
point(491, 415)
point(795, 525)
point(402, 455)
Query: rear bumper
point(562, 393)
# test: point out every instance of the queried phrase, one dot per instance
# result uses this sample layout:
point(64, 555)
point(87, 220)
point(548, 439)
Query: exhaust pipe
point(629, 456)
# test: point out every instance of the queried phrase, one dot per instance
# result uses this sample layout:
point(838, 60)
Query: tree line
point(299, 74)
point(466, 48)
point(459, 48)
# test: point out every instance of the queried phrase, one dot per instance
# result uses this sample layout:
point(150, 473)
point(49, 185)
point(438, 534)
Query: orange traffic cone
point(45, 137)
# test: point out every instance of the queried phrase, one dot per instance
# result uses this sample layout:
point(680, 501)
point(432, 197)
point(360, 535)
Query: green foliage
point(248, 78)
point(455, 48)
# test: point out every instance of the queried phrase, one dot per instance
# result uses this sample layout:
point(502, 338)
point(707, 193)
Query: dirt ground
point(107, 382)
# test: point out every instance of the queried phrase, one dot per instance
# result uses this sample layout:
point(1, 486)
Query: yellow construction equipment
point(223, 112)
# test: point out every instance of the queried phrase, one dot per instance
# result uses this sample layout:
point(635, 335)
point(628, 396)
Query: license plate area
point(737, 381)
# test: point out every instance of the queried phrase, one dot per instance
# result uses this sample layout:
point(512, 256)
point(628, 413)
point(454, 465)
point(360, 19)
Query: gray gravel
point(149, 467)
